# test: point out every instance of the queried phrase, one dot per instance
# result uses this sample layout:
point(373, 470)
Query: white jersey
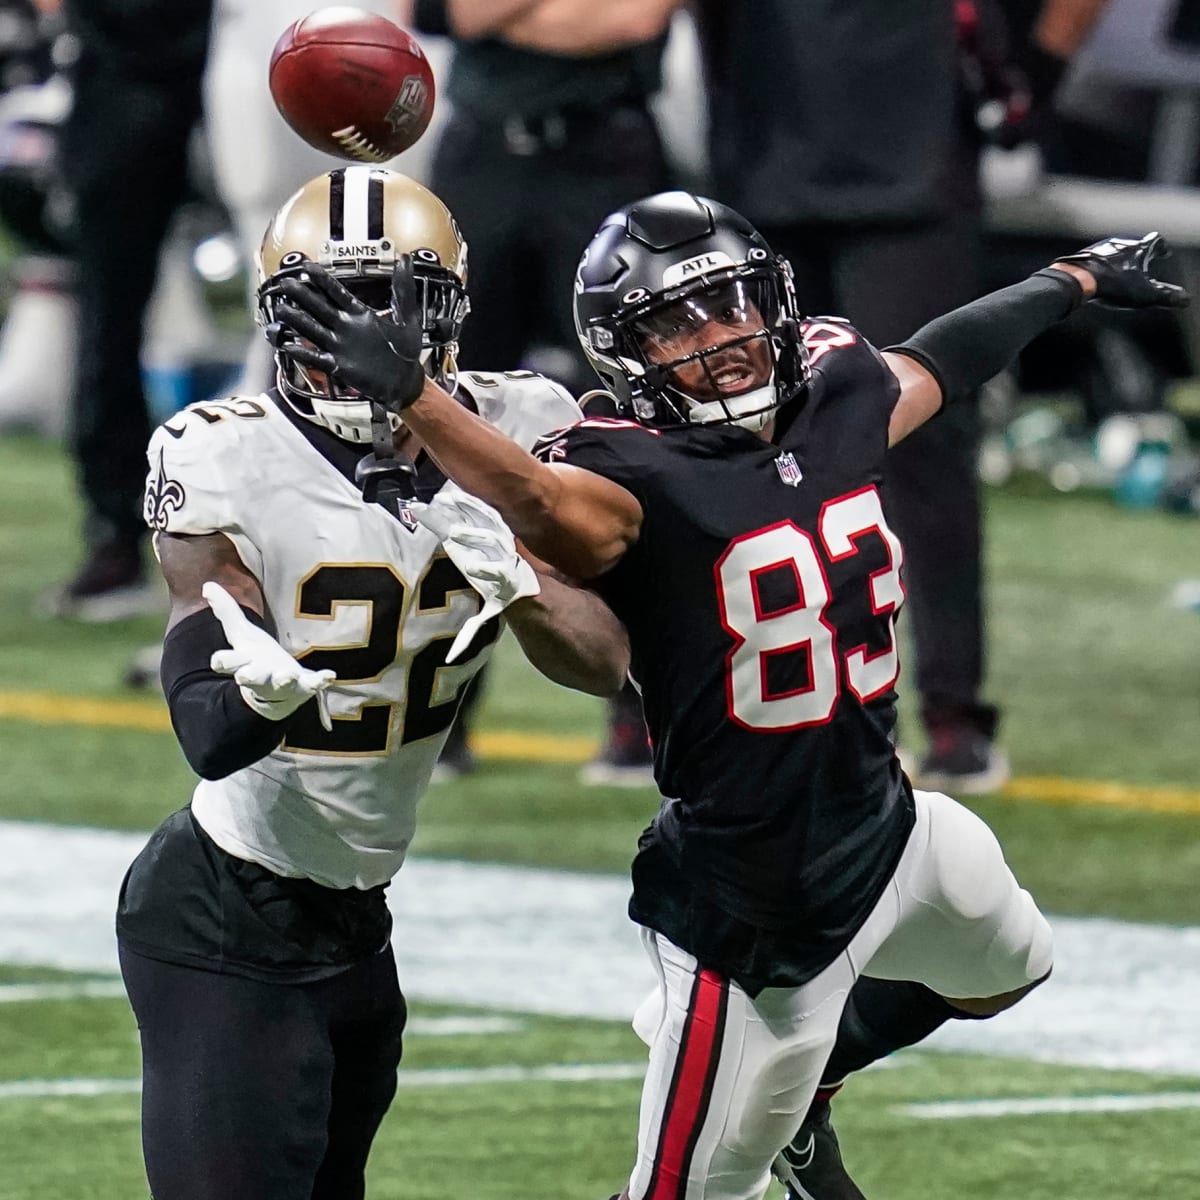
point(348, 586)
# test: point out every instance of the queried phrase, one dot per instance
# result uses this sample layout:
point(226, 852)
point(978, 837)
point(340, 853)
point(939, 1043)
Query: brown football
point(352, 83)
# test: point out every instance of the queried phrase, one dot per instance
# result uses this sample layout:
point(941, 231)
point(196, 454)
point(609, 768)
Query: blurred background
point(126, 240)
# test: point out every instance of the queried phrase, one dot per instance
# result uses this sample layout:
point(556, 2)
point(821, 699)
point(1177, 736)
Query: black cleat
point(625, 760)
point(961, 761)
point(110, 585)
point(810, 1166)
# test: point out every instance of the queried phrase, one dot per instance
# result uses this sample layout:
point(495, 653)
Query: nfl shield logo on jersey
point(789, 468)
point(407, 518)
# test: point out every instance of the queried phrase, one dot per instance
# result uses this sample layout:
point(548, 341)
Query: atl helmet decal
point(163, 496)
point(695, 267)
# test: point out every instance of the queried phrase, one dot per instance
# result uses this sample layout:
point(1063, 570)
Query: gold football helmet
point(354, 221)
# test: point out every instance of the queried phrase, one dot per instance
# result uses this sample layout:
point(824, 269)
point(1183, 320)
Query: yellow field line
point(1049, 789)
point(48, 709)
point(151, 716)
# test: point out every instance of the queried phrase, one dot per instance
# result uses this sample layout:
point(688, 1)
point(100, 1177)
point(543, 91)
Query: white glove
point(483, 548)
point(272, 682)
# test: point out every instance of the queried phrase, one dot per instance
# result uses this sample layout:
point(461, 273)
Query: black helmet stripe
point(375, 206)
point(337, 204)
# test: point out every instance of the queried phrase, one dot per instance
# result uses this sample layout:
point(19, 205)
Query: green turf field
point(1097, 679)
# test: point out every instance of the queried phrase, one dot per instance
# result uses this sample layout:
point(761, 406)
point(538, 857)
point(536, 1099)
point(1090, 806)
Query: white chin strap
point(349, 419)
point(751, 410)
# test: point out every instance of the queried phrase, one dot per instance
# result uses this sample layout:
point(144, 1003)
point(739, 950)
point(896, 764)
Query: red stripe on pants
point(688, 1104)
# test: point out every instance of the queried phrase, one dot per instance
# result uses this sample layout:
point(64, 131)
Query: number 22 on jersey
point(428, 705)
point(803, 627)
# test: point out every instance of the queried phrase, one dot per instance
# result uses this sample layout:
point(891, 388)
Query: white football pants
point(730, 1077)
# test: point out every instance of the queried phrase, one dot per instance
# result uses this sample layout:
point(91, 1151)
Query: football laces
point(356, 146)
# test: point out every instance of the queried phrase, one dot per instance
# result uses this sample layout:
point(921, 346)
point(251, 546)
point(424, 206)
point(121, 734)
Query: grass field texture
point(1095, 673)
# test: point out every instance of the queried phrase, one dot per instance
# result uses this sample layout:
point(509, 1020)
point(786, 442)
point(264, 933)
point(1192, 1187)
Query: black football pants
point(124, 149)
point(527, 219)
point(263, 1091)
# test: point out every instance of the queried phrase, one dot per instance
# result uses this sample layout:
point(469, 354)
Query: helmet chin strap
point(385, 477)
point(751, 410)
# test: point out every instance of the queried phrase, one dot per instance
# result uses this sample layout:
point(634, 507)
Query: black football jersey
point(760, 600)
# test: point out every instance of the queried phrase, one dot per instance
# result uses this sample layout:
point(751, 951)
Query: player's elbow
point(609, 681)
point(210, 762)
point(566, 521)
point(581, 557)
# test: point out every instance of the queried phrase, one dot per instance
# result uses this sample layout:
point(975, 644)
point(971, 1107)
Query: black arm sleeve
point(218, 731)
point(966, 347)
point(430, 16)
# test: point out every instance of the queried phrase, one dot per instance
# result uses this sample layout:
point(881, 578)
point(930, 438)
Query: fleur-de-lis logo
point(163, 496)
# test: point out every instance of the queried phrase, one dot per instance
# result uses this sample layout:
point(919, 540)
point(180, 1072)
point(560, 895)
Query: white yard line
point(548, 1073)
point(522, 940)
point(30, 1089)
point(463, 1026)
point(950, 1110)
point(85, 989)
point(108, 989)
point(36, 1089)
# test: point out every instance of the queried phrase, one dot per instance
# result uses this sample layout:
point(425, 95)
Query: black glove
point(350, 342)
point(1121, 268)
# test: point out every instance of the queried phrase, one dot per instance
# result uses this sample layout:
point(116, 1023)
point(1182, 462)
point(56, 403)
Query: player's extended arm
point(575, 520)
point(571, 636)
point(219, 728)
point(956, 354)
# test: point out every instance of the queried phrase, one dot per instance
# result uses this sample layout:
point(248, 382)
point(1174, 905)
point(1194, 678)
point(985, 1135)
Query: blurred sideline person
point(731, 518)
point(37, 339)
point(550, 130)
point(144, 68)
point(253, 929)
point(124, 150)
point(858, 159)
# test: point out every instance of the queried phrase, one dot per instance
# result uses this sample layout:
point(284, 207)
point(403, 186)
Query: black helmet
point(657, 273)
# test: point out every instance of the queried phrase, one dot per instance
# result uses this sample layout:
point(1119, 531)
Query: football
point(352, 83)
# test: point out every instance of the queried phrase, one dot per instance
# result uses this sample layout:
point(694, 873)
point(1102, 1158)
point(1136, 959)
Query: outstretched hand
point(272, 682)
point(333, 331)
point(483, 548)
point(1121, 269)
